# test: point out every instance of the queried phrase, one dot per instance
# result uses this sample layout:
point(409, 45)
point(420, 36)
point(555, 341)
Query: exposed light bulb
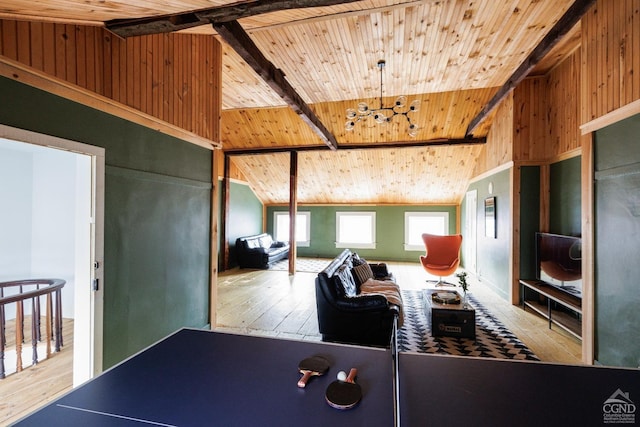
point(401, 101)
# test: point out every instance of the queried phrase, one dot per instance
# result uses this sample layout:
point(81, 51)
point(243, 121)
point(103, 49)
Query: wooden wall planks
point(173, 77)
point(610, 44)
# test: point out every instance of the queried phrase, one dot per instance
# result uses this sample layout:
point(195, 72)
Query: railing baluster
point(19, 334)
point(44, 287)
point(2, 329)
point(37, 310)
point(48, 321)
point(58, 315)
point(34, 332)
point(2, 338)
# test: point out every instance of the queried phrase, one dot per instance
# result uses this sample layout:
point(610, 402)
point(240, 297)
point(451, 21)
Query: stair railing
point(32, 289)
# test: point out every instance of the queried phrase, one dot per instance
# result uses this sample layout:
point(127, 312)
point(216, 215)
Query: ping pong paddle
point(312, 366)
point(344, 394)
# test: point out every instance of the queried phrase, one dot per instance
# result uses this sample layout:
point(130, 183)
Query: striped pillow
point(362, 273)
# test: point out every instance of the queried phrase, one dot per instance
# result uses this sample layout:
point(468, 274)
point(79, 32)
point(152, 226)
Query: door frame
point(97, 155)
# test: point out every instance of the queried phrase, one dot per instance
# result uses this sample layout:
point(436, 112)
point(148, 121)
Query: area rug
point(493, 339)
point(307, 265)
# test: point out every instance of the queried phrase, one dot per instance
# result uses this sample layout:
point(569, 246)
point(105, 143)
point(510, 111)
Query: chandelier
point(384, 114)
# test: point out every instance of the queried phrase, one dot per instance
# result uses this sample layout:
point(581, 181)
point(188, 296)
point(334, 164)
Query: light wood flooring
point(22, 392)
point(273, 303)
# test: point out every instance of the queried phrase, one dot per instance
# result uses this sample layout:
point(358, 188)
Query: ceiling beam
point(235, 36)
point(361, 146)
point(559, 30)
point(231, 12)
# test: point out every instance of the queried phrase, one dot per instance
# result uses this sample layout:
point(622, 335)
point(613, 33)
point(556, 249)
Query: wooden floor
point(24, 391)
point(273, 303)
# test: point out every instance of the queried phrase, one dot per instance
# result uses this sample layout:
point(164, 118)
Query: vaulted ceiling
point(451, 55)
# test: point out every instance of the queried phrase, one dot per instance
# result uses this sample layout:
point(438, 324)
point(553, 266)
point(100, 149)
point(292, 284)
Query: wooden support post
point(293, 210)
point(224, 223)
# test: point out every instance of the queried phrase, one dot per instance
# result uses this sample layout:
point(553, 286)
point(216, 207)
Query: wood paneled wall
point(174, 77)
point(562, 132)
point(529, 120)
point(602, 76)
point(499, 147)
point(610, 69)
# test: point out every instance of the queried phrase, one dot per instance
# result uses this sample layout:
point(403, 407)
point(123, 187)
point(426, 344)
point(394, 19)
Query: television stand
point(566, 321)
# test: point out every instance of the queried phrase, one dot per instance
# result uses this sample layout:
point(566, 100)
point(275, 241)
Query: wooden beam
point(362, 146)
point(235, 36)
point(559, 30)
point(219, 14)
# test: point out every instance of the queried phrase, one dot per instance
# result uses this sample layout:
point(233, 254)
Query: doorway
point(56, 229)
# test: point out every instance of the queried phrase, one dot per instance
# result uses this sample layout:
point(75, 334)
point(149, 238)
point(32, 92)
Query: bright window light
point(356, 230)
point(303, 227)
point(417, 223)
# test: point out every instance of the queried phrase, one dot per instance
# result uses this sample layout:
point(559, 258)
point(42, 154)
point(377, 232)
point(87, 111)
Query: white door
point(83, 193)
point(471, 226)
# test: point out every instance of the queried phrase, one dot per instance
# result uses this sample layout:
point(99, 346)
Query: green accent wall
point(389, 230)
point(493, 254)
point(565, 197)
point(529, 219)
point(157, 216)
point(617, 243)
point(245, 217)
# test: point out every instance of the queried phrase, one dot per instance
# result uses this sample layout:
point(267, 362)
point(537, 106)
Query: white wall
point(39, 193)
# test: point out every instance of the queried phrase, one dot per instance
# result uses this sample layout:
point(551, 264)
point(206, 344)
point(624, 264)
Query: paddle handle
point(305, 377)
point(351, 378)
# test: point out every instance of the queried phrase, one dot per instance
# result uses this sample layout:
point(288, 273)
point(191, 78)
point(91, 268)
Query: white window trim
point(352, 245)
point(407, 215)
point(303, 243)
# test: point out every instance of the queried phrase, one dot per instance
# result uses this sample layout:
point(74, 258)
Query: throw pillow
point(362, 273)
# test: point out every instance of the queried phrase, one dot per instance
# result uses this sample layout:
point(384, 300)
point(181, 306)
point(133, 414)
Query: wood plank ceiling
point(452, 55)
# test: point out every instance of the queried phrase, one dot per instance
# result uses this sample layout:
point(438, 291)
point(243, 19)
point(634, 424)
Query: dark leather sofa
point(346, 316)
point(260, 251)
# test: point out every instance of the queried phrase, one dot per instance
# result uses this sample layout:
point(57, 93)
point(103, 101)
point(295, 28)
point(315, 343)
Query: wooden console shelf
point(566, 321)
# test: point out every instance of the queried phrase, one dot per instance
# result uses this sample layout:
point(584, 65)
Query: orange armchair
point(442, 256)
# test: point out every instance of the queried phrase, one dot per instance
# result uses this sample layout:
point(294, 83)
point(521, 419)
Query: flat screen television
point(559, 261)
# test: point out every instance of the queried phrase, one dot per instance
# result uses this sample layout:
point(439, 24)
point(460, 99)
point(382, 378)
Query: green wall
point(529, 219)
point(245, 217)
point(157, 216)
point(617, 243)
point(493, 254)
point(565, 197)
point(389, 230)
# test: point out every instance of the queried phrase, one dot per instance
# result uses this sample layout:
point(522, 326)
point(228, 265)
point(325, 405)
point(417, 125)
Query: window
point(356, 230)
point(303, 227)
point(416, 223)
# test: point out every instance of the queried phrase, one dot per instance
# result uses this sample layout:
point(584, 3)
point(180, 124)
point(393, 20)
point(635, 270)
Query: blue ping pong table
point(203, 378)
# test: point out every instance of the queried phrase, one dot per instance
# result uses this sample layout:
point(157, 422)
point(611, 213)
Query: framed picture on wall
point(490, 217)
